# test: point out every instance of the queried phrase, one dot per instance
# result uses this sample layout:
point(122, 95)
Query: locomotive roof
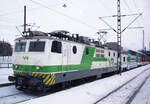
point(60, 35)
point(63, 35)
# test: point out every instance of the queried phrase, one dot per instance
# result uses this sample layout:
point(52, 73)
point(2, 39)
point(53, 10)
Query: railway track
point(6, 84)
point(21, 96)
point(15, 98)
point(10, 95)
point(129, 101)
point(120, 93)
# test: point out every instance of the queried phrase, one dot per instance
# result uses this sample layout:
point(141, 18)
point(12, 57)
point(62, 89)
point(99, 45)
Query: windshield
point(37, 46)
point(20, 46)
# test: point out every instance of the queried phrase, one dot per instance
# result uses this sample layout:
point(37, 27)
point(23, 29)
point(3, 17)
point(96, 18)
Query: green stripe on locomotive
point(137, 58)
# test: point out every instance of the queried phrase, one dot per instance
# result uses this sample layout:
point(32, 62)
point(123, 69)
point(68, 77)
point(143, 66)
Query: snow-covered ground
point(143, 97)
point(91, 92)
point(10, 95)
point(123, 95)
point(4, 73)
point(87, 93)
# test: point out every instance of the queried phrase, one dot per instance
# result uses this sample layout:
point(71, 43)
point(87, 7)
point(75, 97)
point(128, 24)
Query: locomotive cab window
point(20, 46)
point(56, 47)
point(109, 54)
point(37, 46)
point(114, 54)
point(124, 59)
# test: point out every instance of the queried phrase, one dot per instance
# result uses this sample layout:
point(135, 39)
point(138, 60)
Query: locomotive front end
point(30, 57)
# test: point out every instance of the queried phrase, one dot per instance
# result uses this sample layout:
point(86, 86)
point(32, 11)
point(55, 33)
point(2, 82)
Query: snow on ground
point(125, 93)
point(10, 95)
point(143, 97)
point(4, 73)
point(90, 92)
point(5, 91)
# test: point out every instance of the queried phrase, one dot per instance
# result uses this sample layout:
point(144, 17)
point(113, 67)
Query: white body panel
point(66, 57)
point(124, 60)
point(75, 59)
point(96, 65)
point(48, 58)
point(34, 58)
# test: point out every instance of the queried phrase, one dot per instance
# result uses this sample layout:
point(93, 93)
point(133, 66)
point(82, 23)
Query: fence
point(5, 62)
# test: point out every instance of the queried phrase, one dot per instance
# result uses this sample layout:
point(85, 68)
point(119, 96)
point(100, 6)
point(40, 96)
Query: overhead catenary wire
point(74, 4)
point(138, 10)
point(67, 2)
point(6, 23)
point(102, 3)
point(62, 14)
point(9, 21)
point(10, 13)
point(86, 12)
point(4, 16)
point(126, 4)
point(2, 25)
point(136, 5)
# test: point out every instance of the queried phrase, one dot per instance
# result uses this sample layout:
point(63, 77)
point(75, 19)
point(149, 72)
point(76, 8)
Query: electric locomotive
point(41, 60)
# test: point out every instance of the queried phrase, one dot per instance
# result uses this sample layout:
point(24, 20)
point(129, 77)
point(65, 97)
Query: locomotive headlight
point(15, 66)
point(37, 68)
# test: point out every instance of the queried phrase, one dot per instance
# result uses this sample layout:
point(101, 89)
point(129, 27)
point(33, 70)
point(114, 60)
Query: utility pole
point(149, 45)
point(119, 36)
point(25, 24)
point(143, 40)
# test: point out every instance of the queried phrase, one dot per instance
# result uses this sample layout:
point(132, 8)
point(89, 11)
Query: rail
point(130, 98)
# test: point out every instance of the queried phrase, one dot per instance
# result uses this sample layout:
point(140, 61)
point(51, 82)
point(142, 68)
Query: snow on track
point(10, 95)
point(89, 93)
point(4, 73)
point(124, 94)
point(143, 97)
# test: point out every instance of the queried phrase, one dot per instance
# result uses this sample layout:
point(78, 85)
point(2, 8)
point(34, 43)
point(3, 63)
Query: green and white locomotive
point(41, 60)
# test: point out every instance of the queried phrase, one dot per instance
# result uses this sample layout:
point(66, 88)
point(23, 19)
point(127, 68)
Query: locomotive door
point(64, 56)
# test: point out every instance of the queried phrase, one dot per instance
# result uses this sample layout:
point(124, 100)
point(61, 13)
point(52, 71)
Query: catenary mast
point(119, 35)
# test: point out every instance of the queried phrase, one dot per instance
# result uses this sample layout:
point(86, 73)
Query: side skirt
point(68, 76)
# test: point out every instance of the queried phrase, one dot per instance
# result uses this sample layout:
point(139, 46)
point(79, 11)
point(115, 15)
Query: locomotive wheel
point(19, 87)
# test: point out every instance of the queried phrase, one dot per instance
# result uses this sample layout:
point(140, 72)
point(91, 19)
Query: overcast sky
point(79, 16)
